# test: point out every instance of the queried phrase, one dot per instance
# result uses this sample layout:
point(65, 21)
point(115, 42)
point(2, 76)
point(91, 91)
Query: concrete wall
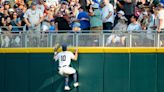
point(98, 72)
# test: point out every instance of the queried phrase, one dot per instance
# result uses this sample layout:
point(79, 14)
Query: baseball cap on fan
point(33, 3)
point(6, 2)
point(95, 5)
point(121, 12)
point(64, 2)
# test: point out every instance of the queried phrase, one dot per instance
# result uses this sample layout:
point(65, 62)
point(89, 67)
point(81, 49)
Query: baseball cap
point(64, 47)
point(33, 3)
point(64, 2)
point(95, 5)
point(121, 12)
point(6, 2)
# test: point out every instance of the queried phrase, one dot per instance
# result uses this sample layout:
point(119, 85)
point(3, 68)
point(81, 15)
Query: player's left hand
point(76, 50)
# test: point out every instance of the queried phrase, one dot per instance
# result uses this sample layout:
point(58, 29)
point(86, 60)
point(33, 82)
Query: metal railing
point(110, 39)
point(13, 28)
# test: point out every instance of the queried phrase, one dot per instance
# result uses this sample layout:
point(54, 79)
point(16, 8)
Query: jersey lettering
point(63, 58)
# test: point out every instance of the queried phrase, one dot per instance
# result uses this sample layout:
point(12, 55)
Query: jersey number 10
point(63, 58)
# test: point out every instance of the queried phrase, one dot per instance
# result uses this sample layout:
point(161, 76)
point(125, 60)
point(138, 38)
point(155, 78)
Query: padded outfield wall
point(99, 69)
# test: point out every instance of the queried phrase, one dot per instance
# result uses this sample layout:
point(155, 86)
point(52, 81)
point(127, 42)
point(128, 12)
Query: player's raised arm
point(76, 54)
point(56, 47)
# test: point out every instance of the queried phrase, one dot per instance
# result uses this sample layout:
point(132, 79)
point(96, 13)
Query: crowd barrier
point(102, 39)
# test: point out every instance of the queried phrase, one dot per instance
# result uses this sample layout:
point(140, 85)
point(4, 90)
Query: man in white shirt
point(64, 59)
point(134, 25)
point(33, 17)
point(107, 15)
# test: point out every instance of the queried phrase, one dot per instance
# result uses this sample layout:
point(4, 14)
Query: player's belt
point(63, 66)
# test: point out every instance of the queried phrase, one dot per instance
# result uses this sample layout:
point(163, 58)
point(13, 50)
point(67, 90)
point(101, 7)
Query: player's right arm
point(56, 47)
point(56, 56)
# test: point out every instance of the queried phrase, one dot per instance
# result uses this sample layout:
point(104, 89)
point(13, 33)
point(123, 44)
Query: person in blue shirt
point(83, 19)
point(52, 27)
point(16, 22)
point(134, 25)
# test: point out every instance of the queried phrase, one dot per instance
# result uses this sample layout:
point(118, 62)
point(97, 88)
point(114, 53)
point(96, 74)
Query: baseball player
point(65, 70)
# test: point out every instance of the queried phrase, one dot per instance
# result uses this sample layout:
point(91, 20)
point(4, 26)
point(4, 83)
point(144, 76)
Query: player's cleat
point(76, 84)
point(66, 88)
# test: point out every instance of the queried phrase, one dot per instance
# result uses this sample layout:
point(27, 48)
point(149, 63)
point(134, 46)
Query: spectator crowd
point(74, 16)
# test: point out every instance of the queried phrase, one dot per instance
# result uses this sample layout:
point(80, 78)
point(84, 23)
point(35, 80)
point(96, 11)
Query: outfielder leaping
point(65, 70)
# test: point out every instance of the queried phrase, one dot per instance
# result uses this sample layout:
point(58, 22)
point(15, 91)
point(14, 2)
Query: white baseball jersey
point(64, 58)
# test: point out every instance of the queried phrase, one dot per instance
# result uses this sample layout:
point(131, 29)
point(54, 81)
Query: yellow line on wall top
point(85, 50)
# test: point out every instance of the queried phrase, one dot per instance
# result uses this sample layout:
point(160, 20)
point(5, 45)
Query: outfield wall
point(100, 70)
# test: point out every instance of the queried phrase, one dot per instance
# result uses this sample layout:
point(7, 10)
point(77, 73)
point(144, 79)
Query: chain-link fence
point(161, 40)
point(116, 40)
point(45, 39)
point(62, 38)
point(143, 40)
point(89, 39)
